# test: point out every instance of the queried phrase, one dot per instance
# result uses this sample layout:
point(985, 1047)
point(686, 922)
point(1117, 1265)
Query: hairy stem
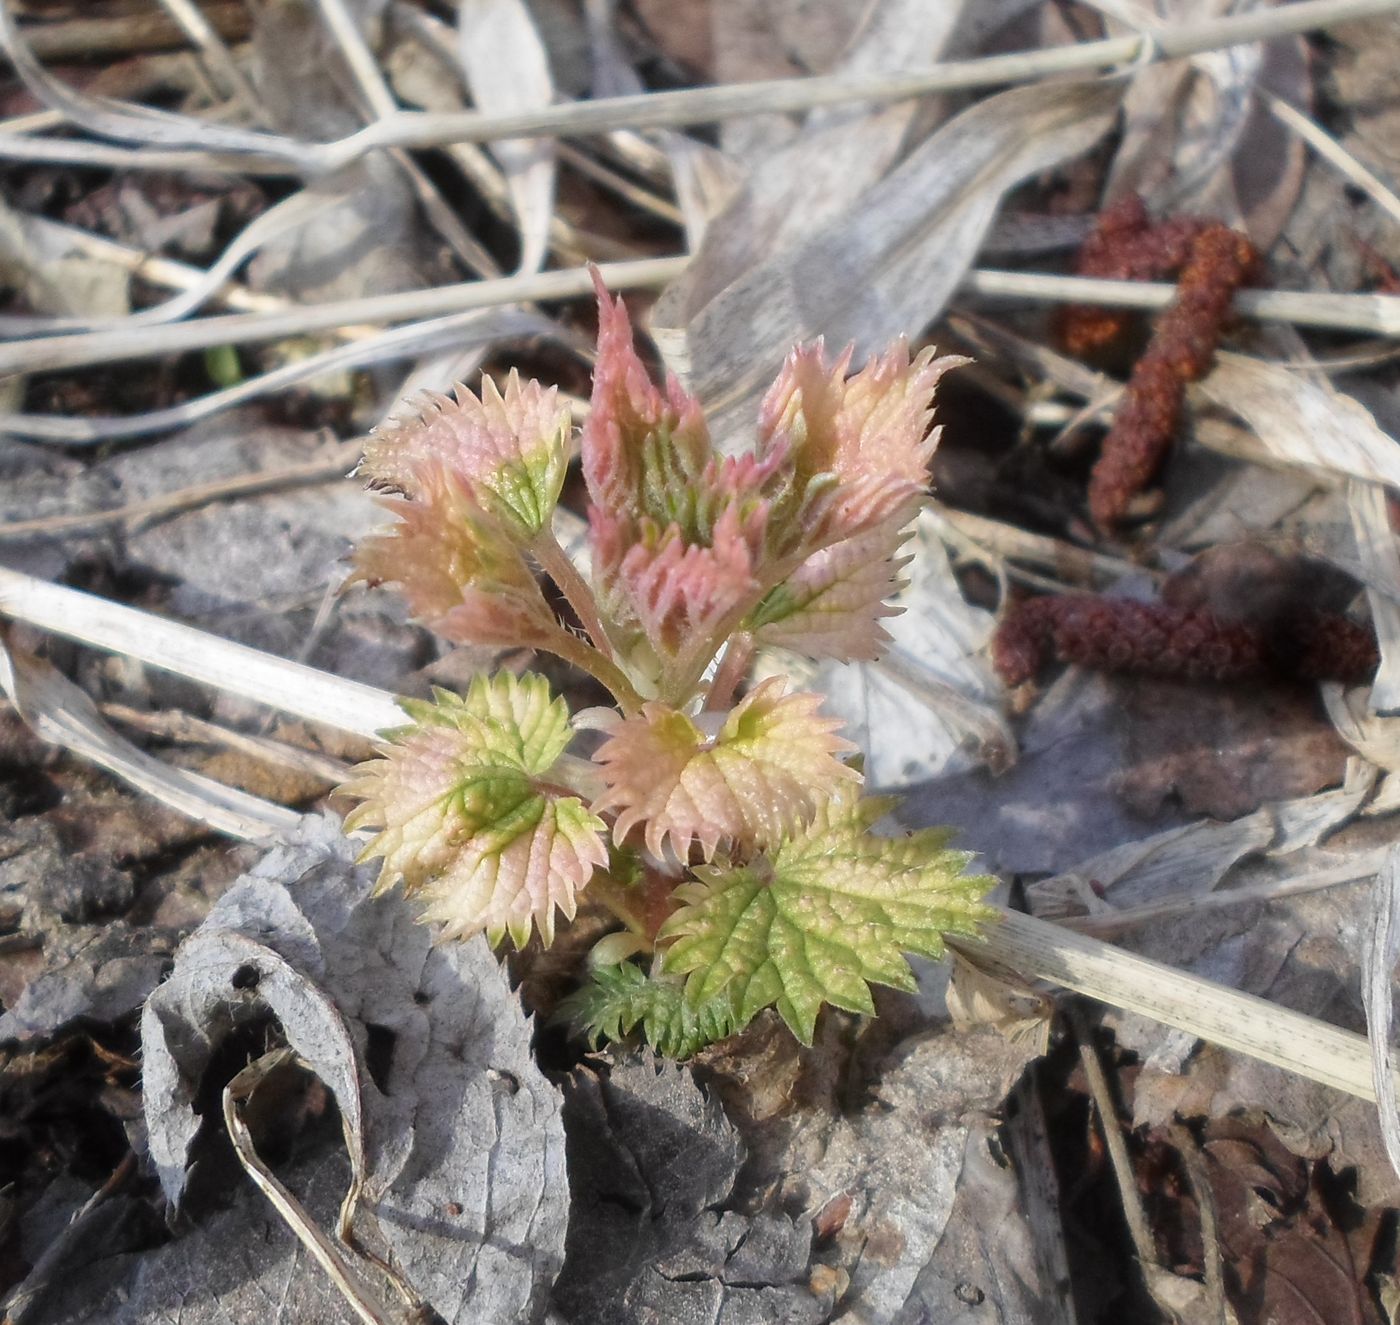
point(564, 644)
point(555, 563)
point(732, 669)
point(683, 676)
point(619, 901)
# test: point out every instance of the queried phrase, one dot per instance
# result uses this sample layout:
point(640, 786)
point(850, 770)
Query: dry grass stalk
point(705, 105)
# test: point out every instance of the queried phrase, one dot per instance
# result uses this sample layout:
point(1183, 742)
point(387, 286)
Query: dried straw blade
point(1038, 950)
point(276, 682)
point(1375, 313)
point(191, 144)
point(72, 351)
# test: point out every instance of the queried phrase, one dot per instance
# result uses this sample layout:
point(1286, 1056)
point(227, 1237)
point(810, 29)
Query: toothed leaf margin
point(822, 917)
point(619, 998)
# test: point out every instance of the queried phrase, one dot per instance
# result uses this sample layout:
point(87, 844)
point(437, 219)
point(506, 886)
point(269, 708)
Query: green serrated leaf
point(509, 452)
point(822, 917)
point(525, 491)
point(619, 998)
point(513, 720)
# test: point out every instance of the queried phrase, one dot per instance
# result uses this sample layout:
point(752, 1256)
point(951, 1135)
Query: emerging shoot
point(729, 837)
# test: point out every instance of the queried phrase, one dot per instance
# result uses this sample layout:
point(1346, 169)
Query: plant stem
point(571, 648)
point(555, 563)
point(1028, 947)
point(683, 675)
point(732, 669)
point(617, 899)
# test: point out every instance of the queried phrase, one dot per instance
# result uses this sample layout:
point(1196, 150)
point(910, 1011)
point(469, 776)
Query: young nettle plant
point(729, 837)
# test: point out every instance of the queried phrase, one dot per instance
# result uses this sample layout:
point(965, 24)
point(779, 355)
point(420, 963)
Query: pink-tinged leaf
point(517, 876)
point(679, 534)
point(756, 780)
point(469, 818)
point(679, 591)
point(832, 605)
point(509, 452)
point(861, 445)
point(633, 427)
point(460, 574)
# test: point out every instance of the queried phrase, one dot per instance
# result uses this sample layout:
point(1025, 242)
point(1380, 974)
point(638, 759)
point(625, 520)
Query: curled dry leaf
point(474, 1216)
point(1376, 550)
point(1378, 961)
point(1303, 420)
point(1197, 136)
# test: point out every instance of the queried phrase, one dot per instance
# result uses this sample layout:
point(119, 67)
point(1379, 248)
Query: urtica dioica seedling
point(730, 837)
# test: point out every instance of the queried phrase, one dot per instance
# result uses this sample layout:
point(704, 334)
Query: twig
point(619, 184)
point(25, 1296)
point(457, 331)
point(196, 26)
point(368, 78)
point(178, 726)
point(289, 214)
point(1108, 923)
point(1050, 367)
point(131, 122)
point(1037, 950)
point(363, 66)
point(1133, 1213)
point(276, 682)
point(706, 105)
point(1215, 1302)
point(59, 712)
point(161, 271)
point(439, 41)
point(321, 1248)
point(242, 328)
point(1069, 563)
point(1376, 313)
